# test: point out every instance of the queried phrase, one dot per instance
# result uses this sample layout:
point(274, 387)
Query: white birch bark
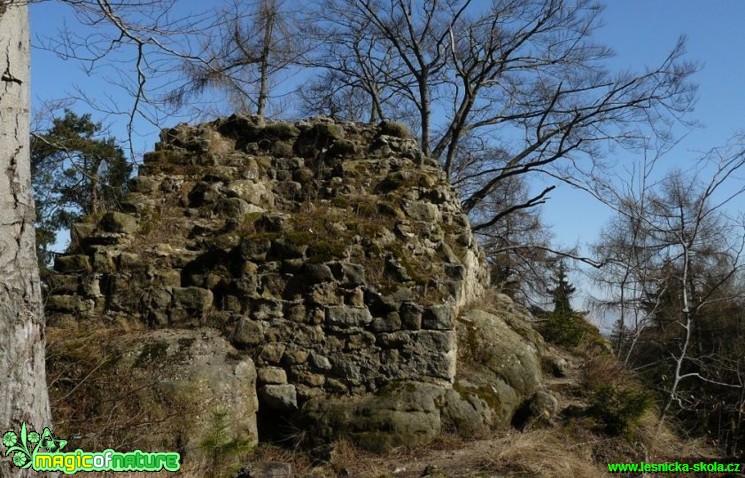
point(23, 388)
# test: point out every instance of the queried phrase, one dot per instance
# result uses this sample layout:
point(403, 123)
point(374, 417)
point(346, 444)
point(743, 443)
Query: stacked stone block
point(335, 255)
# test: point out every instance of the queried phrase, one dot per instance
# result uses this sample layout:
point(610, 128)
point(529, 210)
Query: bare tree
point(330, 95)
point(399, 45)
point(524, 74)
point(686, 222)
point(139, 48)
point(355, 65)
point(674, 255)
point(242, 55)
point(23, 385)
point(518, 245)
point(628, 259)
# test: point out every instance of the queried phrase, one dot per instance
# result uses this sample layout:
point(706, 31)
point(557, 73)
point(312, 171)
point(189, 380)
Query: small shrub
point(565, 330)
point(340, 202)
point(364, 206)
point(281, 149)
point(396, 181)
point(223, 451)
point(300, 238)
point(603, 369)
point(618, 408)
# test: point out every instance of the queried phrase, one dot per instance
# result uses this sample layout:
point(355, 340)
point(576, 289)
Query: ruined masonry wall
point(335, 255)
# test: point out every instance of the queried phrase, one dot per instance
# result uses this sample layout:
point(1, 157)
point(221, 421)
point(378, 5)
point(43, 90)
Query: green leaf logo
point(49, 442)
point(18, 447)
point(22, 446)
point(10, 439)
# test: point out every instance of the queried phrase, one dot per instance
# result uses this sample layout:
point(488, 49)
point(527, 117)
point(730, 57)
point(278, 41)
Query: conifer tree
point(562, 293)
point(75, 172)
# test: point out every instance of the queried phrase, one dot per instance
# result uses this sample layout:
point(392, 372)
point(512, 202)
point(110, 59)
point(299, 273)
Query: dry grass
point(604, 370)
point(666, 444)
point(643, 440)
point(96, 403)
point(543, 453)
point(572, 448)
point(557, 453)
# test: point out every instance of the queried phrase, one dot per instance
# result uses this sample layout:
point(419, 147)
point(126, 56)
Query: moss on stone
point(317, 138)
point(394, 128)
point(483, 392)
point(363, 206)
point(151, 353)
point(403, 180)
point(262, 236)
point(249, 220)
point(388, 208)
point(325, 251)
point(282, 149)
point(162, 156)
point(340, 201)
point(365, 228)
point(300, 238)
point(342, 148)
point(415, 269)
point(396, 388)
point(279, 131)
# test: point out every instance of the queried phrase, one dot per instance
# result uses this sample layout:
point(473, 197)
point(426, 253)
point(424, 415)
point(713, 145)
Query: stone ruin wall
point(335, 255)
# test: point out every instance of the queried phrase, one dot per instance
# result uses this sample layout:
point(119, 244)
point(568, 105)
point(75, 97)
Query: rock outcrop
point(333, 256)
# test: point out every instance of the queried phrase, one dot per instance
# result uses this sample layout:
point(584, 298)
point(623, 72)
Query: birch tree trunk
point(23, 388)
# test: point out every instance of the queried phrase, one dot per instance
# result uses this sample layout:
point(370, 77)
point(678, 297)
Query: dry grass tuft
point(542, 453)
point(97, 404)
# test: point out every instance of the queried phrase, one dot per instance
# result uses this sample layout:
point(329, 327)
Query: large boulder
point(188, 382)
point(201, 371)
point(400, 414)
point(499, 366)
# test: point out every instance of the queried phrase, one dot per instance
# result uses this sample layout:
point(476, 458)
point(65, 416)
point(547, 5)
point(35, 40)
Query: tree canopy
point(76, 171)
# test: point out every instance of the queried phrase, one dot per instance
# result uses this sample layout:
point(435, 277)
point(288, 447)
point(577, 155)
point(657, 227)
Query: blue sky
point(641, 32)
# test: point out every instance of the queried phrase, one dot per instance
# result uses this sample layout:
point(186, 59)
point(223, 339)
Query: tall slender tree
point(23, 387)
point(675, 259)
point(244, 54)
